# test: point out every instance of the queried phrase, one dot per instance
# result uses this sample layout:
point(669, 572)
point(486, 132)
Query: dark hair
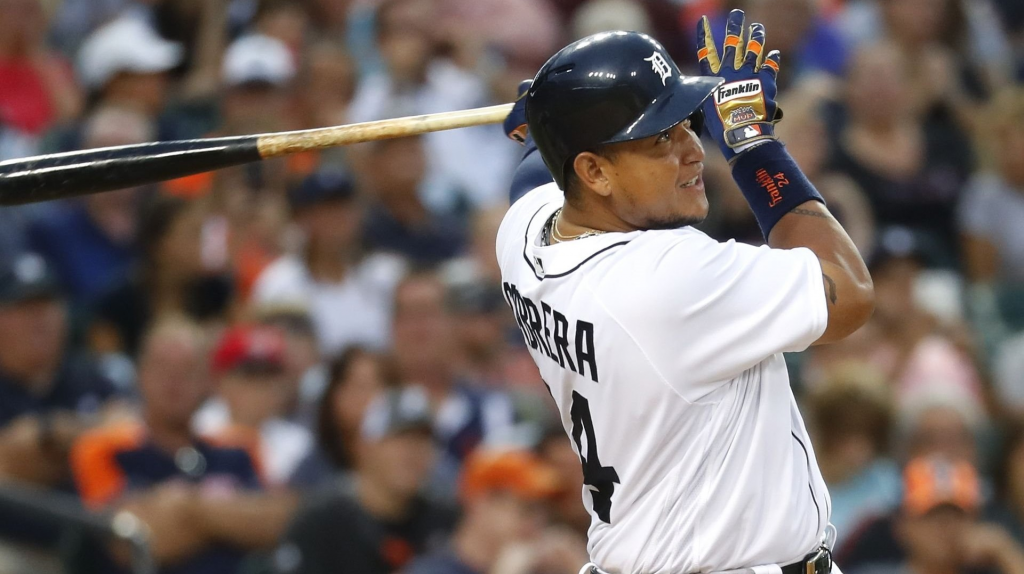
point(850, 404)
point(329, 435)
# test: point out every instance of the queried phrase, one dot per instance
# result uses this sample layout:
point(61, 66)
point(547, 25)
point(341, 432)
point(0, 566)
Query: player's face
point(657, 182)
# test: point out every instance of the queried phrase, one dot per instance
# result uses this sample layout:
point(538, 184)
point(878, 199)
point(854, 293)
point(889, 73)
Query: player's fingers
point(771, 63)
point(755, 47)
point(732, 50)
point(707, 55)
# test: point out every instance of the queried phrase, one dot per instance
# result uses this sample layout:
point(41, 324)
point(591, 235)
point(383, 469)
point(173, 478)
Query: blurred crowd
point(307, 365)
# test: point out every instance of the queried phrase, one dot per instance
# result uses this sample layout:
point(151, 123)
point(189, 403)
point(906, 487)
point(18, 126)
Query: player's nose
point(692, 148)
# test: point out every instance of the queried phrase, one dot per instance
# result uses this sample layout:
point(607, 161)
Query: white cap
point(258, 58)
point(125, 45)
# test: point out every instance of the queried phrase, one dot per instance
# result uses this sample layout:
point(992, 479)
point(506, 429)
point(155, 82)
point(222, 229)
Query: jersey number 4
point(600, 479)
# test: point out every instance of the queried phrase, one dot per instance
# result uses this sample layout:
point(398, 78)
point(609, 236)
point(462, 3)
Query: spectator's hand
point(515, 558)
point(988, 545)
point(25, 455)
point(169, 510)
point(742, 111)
point(561, 551)
point(515, 122)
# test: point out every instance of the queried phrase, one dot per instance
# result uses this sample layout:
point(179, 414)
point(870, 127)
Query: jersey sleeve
point(707, 311)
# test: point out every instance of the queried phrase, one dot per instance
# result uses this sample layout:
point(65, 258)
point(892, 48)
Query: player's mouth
point(695, 182)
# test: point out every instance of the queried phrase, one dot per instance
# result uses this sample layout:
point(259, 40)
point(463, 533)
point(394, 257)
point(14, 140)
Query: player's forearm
point(849, 292)
point(791, 213)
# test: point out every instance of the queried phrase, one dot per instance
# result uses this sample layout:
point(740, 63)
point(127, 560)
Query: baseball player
point(661, 346)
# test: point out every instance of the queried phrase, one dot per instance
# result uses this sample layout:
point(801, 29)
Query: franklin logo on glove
point(731, 91)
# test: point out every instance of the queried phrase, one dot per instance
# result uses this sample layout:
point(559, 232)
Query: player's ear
point(592, 171)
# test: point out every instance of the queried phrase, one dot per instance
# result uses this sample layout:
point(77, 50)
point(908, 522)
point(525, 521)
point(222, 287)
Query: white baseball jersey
point(663, 351)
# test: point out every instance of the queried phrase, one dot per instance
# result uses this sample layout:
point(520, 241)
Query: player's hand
point(742, 111)
point(515, 121)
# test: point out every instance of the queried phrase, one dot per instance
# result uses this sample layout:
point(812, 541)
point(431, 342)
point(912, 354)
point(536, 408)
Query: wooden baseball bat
point(62, 175)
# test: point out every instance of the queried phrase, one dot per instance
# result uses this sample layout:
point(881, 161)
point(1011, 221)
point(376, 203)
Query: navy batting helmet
point(606, 88)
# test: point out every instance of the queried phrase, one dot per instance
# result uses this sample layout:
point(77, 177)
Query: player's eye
point(664, 136)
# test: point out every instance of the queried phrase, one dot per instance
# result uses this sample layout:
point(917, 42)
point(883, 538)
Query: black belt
point(817, 562)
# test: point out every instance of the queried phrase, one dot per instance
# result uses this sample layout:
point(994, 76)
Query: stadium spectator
point(332, 273)
point(503, 528)
point(800, 30)
point(112, 463)
point(328, 77)
point(283, 20)
point(180, 272)
point(993, 204)
point(481, 330)
point(473, 162)
point(911, 347)
point(557, 451)
point(851, 419)
point(37, 87)
point(379, 520)
point(937, 528)
point(912, 170)
point(959, 47)
point(257, 75)
point(126, 63)
point(252, 395)
point(1006, 507)
point(91, 242)
point(304, 365)
point(941, 422)
point(993, 245)
point(398, 219)
point(49, 394)
point(465, 415)
point(356, 378)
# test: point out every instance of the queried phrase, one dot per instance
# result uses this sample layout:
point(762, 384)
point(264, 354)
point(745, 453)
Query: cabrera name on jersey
point(663, 353)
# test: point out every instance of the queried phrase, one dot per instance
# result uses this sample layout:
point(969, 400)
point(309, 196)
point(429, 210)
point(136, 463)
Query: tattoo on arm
point(799, 211)
point(831, 288)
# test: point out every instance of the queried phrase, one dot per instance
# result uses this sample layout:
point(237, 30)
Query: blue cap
point(24, 277)
point(321, 187)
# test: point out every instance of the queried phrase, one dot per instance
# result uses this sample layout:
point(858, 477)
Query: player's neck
point(573, 220)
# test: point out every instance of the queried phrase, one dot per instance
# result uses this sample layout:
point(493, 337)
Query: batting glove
point(741, 112)
point(515, 121)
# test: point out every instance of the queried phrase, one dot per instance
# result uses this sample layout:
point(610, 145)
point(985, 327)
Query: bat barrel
point(77, 173)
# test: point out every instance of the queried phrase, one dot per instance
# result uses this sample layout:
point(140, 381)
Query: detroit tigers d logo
point(660, 66)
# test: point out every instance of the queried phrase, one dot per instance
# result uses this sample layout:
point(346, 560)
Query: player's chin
point(688, 209)
point(693, 216)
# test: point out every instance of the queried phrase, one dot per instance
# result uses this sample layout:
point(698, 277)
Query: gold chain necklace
point(557, 235)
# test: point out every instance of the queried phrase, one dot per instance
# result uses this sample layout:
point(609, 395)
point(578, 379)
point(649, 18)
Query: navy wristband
point(772, 183)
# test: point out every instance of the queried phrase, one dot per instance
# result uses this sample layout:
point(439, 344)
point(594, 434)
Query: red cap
point(522, 473)
point(247, 344)
point(930, 482)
